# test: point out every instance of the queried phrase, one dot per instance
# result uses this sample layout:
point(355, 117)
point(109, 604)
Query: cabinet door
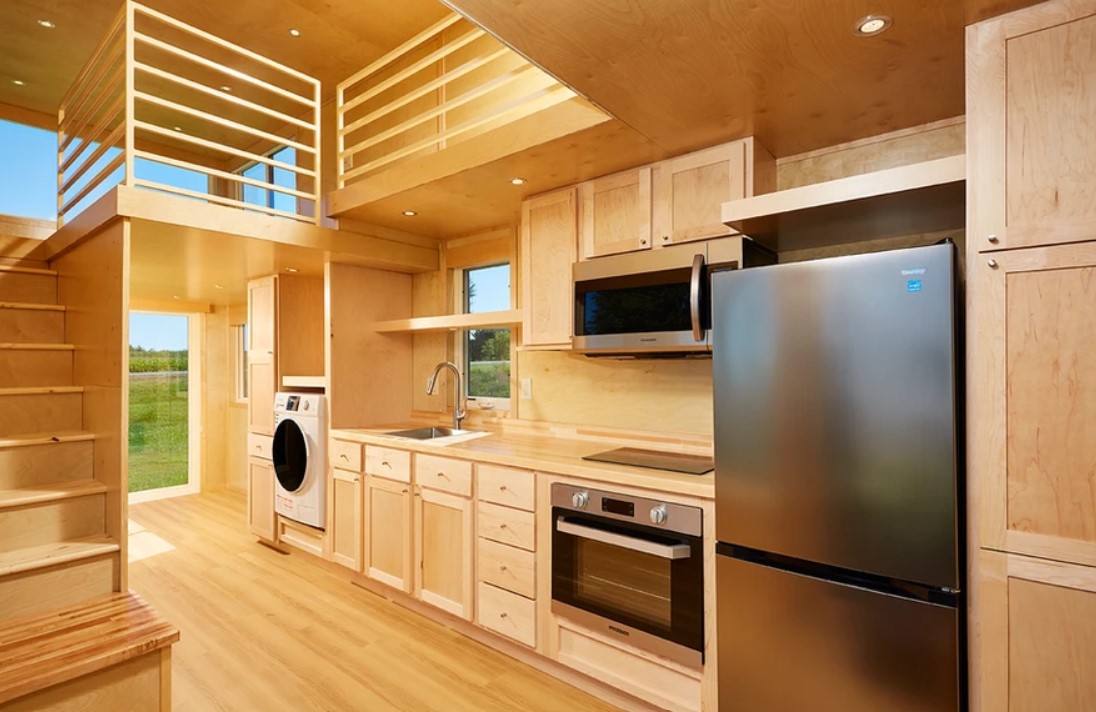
point(443, 551)
point(689, 192)
point(260, 498)
point(1031, 148)
point(346, 520)
point(388, 532)
point(549, 244)
point(1036, 620)
point(615, 213)
point(1032, 422)
point(261, 367)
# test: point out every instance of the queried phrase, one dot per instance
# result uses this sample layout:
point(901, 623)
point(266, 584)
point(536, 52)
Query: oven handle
point(694, 297)
point(663, 551)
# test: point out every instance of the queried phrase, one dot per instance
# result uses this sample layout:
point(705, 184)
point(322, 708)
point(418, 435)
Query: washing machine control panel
point(292, 403)
point(303, 403)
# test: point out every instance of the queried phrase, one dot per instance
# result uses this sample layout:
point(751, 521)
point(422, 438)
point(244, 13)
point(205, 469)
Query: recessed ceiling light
point(18, 82)
point(178, 128)
point(176, 296)
point(218, 286)
point(295, 32)
point(225, 87)
point(872, 25)
point(47, 24)
point(292, 270)
point(409, 213)
point(517, 181)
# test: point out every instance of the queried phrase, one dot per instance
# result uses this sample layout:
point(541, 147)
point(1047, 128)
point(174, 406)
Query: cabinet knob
point(503, 567)
point(403, 491)
point(502, 488)
point(993, 239)
point(665, 238)
point(503, 615)
point(502, 526)
point(356, 479)
point(992, 264)
point(643, 242)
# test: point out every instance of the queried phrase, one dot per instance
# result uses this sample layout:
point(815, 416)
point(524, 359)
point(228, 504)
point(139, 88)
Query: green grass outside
point(490, 379)
point(157, 431)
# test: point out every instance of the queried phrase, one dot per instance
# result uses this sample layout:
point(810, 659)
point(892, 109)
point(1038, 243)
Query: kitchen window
point(485, 353)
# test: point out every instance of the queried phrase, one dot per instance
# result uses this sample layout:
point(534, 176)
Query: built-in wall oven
point(630, 568)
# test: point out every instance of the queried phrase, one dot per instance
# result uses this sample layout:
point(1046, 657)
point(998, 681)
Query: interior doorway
point(164, 405)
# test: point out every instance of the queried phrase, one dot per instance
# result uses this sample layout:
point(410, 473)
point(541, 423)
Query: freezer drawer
point(789, 643)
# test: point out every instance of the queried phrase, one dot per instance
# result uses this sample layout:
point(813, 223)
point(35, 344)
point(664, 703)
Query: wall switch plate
point(526, 388)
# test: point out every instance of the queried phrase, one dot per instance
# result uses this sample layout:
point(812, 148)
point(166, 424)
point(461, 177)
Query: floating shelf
point(451, 322)
point(920, 198)
point(319, 382)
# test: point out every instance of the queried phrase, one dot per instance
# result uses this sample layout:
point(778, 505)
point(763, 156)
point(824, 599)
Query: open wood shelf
point(61, 552)
point(908, 200)
point(451, 322)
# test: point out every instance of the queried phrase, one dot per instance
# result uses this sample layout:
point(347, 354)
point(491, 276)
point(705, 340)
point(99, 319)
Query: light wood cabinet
point(549, 246)
point(444, 551)
point(615, 213)
point(388, 532)
point(443, 473)
point(260, 499)
point(262, 376)
point(689, 191)
point(346, 519)
point(1030, 141)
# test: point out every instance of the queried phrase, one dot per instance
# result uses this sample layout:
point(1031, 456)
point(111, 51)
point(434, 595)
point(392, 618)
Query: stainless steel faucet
point(459, 413)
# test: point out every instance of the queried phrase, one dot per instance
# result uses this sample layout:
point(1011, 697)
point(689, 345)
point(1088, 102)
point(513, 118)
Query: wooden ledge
point(54, 492)
point(48, 650)
point(32, 439)
point(26, 306)
point(451, 322)
point(41, 391)
point(15, 269)
point(37, 347)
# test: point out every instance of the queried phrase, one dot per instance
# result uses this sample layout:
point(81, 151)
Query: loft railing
point(165, 106)
point(446, 85)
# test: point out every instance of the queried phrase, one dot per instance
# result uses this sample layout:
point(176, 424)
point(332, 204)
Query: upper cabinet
point(615, 213)
point(1032, 98)
point(689, 191)
point(549, 240)
point(262, 377)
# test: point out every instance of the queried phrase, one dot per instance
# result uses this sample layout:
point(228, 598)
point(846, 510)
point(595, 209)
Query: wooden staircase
point(54, 547)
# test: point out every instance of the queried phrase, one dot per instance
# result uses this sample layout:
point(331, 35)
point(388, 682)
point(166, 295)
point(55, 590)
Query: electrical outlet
point(526, 389)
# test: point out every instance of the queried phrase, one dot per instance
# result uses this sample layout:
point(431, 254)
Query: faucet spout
point(459, 413)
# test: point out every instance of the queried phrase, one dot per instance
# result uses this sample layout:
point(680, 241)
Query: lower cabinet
point(388, 516)
point(260, 498)
point(443, 551)
point(346, 519)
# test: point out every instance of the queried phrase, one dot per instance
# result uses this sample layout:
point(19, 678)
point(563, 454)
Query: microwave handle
point(663, 551)
point(694, 297)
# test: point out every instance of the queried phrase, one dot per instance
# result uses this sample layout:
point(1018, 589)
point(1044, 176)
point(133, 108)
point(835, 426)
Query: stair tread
point(28, 270)
point(59, 552)
point(39, 494)
point(33, 306)
point(41, 391)
point(28, 439)
point(36, 347)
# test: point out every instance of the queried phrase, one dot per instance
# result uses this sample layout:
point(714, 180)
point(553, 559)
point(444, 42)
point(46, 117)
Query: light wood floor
point(266, 631)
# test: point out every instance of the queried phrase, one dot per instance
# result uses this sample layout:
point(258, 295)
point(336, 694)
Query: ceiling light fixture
point(218, 286)
point(178, 128)
point(295, 32)
point(409, 213)
point(292, 270)
point(47, 24)
point(176, 296)
point(872, 25)
point(225, 87)
point(517, 181)
point(18, 82)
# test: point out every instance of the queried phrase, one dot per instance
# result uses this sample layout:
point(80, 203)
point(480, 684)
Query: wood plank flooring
point(264, 630)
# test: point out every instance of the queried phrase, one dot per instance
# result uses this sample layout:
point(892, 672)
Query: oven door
point(631, 582)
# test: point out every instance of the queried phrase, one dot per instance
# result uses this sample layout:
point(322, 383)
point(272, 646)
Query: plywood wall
point(218, 390)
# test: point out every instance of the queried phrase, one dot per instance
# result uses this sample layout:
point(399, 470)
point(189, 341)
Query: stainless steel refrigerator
point(838, 485)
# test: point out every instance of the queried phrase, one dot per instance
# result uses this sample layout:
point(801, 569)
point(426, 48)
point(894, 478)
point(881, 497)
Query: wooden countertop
point(47, 650)
point(549, 454)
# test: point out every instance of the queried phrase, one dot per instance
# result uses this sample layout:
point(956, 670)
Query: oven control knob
point(659, 515)
point(580, 499)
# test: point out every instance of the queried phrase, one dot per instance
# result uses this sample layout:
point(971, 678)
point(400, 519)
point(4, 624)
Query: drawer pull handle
point(503, 567)
point(403, 491)
point(502, 488)
point(385, 463)
point(502, 526)
point(344, 456)
point(442, 474)
point(258, 447)
point(503, 615)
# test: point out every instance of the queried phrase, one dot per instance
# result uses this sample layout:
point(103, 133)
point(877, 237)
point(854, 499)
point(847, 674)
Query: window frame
point(460, 283)
point(268, 177)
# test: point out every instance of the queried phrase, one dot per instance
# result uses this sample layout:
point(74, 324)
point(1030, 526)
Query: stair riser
point(51, 412)
point(31, 326)
point(22, 467)
point(31, 288)
point(25, 369)
point(44, 590)
point(50, 522)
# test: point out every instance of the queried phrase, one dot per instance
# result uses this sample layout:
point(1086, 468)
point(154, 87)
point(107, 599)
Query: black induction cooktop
point(673, 461)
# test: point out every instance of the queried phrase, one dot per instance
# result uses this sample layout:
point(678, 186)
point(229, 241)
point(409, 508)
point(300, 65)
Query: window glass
point(487, 351)
point(28, 171)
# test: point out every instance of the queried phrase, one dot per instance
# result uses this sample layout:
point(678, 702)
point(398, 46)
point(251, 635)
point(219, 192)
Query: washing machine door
point(290, 455)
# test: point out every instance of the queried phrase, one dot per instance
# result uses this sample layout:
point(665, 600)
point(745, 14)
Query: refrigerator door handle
point(694, 297)
point(663, 551)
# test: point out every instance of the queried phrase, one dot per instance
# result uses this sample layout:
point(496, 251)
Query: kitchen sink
point(431, 433)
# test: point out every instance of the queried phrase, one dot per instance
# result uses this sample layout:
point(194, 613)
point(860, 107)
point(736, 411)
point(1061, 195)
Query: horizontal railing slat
point(220, 199)
point(430, 32)
point(113, 113)
point(111, 141)
point(95, 182)
point(206, 170)
point(215, 146)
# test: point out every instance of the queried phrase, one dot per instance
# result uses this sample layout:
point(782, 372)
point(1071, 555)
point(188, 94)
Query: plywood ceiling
point(338, 37)
point(692, 73)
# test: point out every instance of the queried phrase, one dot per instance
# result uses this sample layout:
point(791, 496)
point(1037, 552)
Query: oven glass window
point(629, 582)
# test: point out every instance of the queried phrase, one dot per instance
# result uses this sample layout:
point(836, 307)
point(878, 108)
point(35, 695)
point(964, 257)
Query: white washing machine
point(300, 457)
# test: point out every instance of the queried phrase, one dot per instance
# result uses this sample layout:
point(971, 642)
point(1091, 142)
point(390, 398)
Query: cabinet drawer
point(260, 446)
point(346, 455)
point(388, 463)
point(507, 526)
point(506, 567)
point(507, 613)
point(441, 473)
point(505, 485)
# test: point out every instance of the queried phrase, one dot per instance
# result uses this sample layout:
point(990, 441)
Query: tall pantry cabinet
point(1031, 147)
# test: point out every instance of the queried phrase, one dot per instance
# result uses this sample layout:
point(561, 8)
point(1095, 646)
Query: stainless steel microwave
point(654, 302)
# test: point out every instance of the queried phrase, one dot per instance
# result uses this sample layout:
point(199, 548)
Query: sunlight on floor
point(143, 544)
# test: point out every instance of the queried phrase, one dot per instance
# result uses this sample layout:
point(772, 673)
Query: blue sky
point(159, 332)
point(492, 291)
point(28, 171)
